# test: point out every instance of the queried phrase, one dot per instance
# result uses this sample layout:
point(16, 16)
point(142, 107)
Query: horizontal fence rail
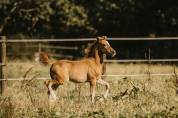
point(59, 47)
point(115, 61)
point(52, 55)
point(108, 61)
point(52, 47)
point(141, 75)
point(140, 60)
point(88, 39)
point(144, 38)
point(47, 40)
point(107, 75)
point(1, 64)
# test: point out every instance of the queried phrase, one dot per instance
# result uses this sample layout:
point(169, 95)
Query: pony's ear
point(105, 37)
point(102, 38)
point(99, 38)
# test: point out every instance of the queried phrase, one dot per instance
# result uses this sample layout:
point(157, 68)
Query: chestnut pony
point(86, 54)
point(88, 69)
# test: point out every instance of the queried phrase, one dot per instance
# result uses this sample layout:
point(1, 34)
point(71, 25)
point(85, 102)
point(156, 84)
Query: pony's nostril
point(113, 53)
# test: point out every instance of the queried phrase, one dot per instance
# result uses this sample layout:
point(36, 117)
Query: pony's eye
point(106, 46)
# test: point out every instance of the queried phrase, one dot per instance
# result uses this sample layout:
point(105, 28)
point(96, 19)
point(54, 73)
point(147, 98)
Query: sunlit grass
point(144, 96)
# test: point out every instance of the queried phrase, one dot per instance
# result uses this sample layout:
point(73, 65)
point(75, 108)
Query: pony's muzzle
point(113, 53)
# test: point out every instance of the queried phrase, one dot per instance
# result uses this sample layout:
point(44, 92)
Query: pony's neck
point(98, 56)
point(95, 53)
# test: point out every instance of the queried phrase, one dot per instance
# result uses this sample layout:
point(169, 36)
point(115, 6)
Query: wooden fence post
point(149, 63)
point(3, 74)
point(39, 48)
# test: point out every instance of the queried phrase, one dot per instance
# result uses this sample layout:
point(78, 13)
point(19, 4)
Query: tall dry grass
point(129, 96)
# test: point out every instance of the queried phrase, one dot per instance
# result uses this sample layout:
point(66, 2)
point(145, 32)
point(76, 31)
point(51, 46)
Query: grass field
point(129, 96)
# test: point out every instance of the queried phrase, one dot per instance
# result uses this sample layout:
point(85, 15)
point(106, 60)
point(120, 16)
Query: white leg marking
point(93, 96)
point(102, 82)
point(52, 96)
point(92, 93)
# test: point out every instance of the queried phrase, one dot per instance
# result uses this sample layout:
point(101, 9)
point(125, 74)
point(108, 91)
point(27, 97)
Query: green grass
point(129, 97)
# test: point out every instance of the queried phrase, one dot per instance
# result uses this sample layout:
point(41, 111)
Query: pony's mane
point(89, 49)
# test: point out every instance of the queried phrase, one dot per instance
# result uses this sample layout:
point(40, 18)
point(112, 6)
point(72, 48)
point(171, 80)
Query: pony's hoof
point(48, 93)
point(57, 98)
point(101, 100)
point(105, 96)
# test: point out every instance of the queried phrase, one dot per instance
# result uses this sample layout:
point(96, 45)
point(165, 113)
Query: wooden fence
point(3, 74)
point(4, 41)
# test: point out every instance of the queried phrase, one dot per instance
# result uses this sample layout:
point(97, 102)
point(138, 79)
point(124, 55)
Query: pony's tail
point(42, 58)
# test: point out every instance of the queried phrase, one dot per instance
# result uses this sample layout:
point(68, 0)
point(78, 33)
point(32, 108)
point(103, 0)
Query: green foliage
point(43, 18)
point(71, 18)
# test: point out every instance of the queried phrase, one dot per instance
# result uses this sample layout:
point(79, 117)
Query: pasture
point(141, 79)
point(148, 96)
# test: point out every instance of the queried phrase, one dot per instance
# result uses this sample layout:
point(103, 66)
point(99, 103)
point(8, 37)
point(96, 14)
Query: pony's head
point(105, 47)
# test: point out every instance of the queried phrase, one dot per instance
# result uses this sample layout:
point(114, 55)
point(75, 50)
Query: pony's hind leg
point(52, 85)
point(102, 82)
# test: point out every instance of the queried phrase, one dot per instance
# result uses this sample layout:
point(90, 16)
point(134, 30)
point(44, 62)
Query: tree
point(72, 18)
point(44, 18)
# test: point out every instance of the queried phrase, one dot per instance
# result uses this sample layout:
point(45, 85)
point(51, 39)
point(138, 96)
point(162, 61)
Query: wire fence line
point(47, 40)
point(107, 75)
point(88, 39)
point(52, 47)
point(51, 55)
point(141, 60)
point(91, 39)
point(120, 61)
point(2, 64)
point(107, 61)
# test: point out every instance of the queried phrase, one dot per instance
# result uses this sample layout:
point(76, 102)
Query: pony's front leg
point(92, 90)
point(102, 82)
